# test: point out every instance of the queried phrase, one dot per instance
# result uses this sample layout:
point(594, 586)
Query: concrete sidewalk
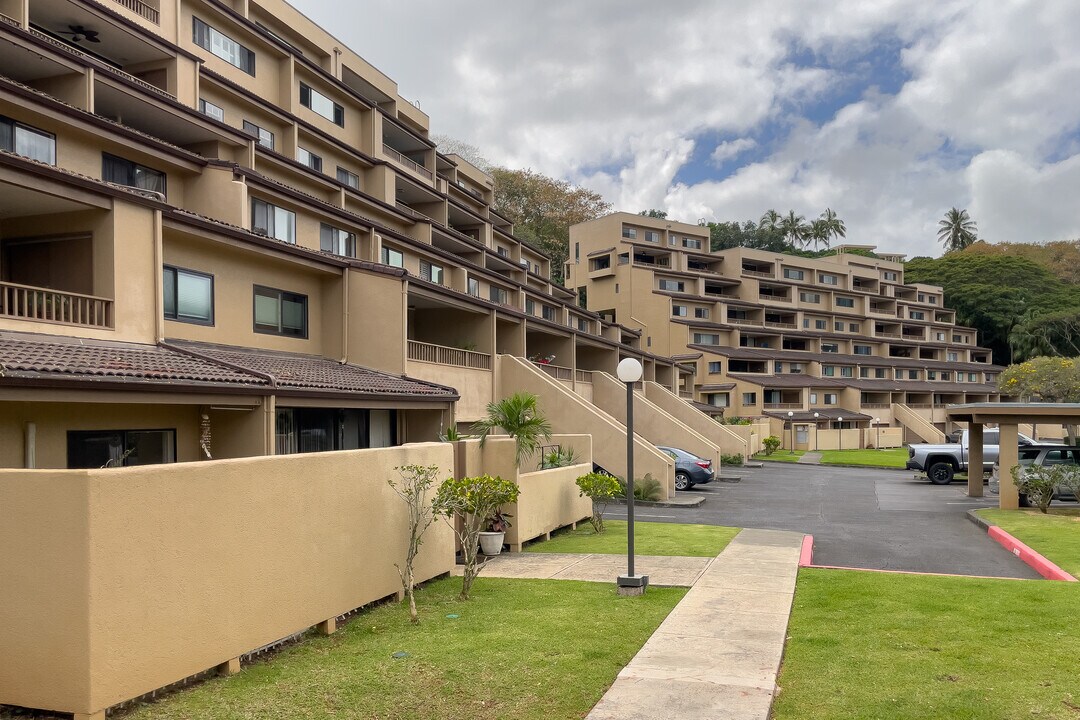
point(717, 654)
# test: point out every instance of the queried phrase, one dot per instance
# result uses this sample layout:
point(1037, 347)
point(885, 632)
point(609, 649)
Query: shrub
point(771, 443)
point(520, 416)
point(416, 481)
point(734, 421)
point(1038, 483)
point(646, 488)
point(558, 457)
point(477, 500)
point(1070, 478)
point(601, 488)
point(735, 460)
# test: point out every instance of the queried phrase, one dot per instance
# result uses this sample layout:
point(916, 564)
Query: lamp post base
point(632, 584)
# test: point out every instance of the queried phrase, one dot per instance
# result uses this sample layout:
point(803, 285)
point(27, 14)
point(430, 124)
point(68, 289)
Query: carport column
point(975, 460)
point(1007, 459)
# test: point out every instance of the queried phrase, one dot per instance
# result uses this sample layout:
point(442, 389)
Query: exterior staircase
point(729, 442)
point(917, 424)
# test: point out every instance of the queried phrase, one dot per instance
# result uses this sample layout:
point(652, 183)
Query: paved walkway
point(810, 458)
point(717, 654)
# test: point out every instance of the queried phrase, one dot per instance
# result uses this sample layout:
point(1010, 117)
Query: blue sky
point(888, 111)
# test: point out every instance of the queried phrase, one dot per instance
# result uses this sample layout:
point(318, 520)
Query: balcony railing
point(877, 406)
point(782, 326)
point(757, 273)
point(584, 375)
point(783, 406)
point(743, 321)
point(141, 8)
point(777, 298)
point(410, 164)
point(442, 355)
point(556, 371)
point(888, 335)
point(33, 303)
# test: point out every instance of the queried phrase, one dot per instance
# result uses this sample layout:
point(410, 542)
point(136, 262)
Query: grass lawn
point(650, 538)
point(889, 458)
point(891, 647)
point(781, 456)
point(518, 649)
point(1055, 535)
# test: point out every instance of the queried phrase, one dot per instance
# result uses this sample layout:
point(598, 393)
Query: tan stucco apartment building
point(223, 233)
point(782, 336)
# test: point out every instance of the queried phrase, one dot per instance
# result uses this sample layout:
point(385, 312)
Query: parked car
point(941, 462)
point(690, 470)
point(1042, 455)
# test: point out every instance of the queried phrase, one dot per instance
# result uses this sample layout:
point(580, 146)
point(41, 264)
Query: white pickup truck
point(942, 462)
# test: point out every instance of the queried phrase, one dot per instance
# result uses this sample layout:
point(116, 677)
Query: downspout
point(159, 280)
point(345, 315)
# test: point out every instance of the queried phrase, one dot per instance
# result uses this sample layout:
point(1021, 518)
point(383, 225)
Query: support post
point(230, 667)
point(327, 627)
point(975, 460)
point(1008, 497)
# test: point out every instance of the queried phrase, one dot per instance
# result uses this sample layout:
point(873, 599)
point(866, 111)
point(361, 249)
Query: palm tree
point(522, 420)
point(770, 220)
point(819, 233)
point(794, 228)
point(957, 230)
point(834, 226)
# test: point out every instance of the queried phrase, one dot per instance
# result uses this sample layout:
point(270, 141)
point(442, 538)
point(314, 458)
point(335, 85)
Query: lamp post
point(816, 445)
point(629, 371)
point(791, 431)
point(840, 433)
point(877, 424)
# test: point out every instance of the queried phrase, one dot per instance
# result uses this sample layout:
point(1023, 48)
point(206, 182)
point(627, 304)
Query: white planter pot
point(491, 543)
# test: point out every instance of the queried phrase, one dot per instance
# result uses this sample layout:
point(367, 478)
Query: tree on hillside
point(467, 151)
point(1043, 379)
point(659, 214)
point(770, 220)
point(818, 233)
point(957, 230)
point(832, 225)
point(543, 209)
point(1061, 257)
point(1054, 333)
point(794, 228)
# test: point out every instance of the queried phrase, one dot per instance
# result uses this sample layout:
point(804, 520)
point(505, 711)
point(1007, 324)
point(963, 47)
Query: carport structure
point(1008, 417)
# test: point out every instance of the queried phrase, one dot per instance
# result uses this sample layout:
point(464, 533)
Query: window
point(125, 172)
point(264, 136)
point(678, 310)
point(889, 275)
point(749, 398)
point(304, 430)
point(706, 339)
point(778, 367)
point(624, 258)
point(652, 236)
point(349, 178)
point(501, 251)
point(918, 315)
point(718, 399)
point(120, 448)
point(211, 110)
point(474, 289)
point(933, 300)
point(223, 46)
point(672, 240)
point(691, 243)
point(828, 370)
point(953, 357)
point(825, 279)
point(913, 374)
point(629, 232)
point(701, 313)
point(321, 105)
point(847, 371)
point(390, 256)
point(864, 372)
point(714, 368)
point(838, 326)
point(830, 347)
point(922, 298)
point(278, 312)
point(599, 263)
point(813, 398)
point(809, 297)
point(940, 337)
point(336, 240)
point(188, 295)
point(830, 399)
point(434, 273)
point(497, 294)
point(853, 327)
point(946, 376)
point(793, 274)
point(548, 313)
point(879, 373)
point(27, 141)
point(584, 325)
point(931, 374)
point(306, 157)
point(795, 368)
point(973, 377)
point(864, 350)
point(672, 285)
point(273, 221)
point(821, 324)
point(845, 302)
point(806, 323)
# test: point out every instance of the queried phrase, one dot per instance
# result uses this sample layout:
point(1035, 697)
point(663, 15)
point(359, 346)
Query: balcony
point(407, 163)
point(140, 8)
point(783, 406)
point(773, 298)
point(781, 325)
point(742, 321)
point(757, 273)
point(25, 302)
point(442, 355)
point(556, 371)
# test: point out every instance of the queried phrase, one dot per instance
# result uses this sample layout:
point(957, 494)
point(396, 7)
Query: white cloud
point(618, 95)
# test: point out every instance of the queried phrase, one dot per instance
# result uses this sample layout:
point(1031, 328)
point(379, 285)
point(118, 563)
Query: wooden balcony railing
point(782, 326)
point(33, 303)
point(556, 371)
point(743, 321)
point(776, 298)
point(442, 355)
point(783, 406)
point(410, 164)
point(757, 273)
point(584, 376)
point(141, 8)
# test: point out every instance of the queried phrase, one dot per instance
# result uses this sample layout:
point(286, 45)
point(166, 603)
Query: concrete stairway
point(917, 424)
point(729, 442)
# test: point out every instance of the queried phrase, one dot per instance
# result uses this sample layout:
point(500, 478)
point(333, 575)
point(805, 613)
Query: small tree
point(1069, 477)
point(601, 488)
point(476, 500)
point(771, 443)
point(1038, 483)
point(413, 487)
point(522, 420)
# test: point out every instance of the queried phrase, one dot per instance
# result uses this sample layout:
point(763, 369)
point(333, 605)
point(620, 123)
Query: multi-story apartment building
point(224, 233)
point(782, 336)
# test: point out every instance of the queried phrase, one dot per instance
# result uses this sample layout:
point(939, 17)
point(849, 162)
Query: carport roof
point(1065, 413)
point(824, 415)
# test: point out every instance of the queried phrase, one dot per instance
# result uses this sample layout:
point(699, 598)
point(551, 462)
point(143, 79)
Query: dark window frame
point(176, 317)
point(9, 139)
point(338, 111)
point(264, 329)
point(133, 167)
point(201, 36)
point(73, 436)
point(257, 130)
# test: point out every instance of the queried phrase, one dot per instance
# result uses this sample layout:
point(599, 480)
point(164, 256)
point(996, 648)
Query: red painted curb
point(1038, 563)
point(806, 554)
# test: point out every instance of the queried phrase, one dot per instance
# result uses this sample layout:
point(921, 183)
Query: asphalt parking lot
point(862, 518)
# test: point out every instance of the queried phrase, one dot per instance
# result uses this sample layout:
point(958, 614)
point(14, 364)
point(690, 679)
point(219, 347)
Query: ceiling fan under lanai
point(79, 33)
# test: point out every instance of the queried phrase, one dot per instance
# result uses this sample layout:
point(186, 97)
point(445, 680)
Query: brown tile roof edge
point(824, 414)
point(792, 381)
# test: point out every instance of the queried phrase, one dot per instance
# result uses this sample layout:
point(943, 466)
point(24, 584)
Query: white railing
point(410, 164)
point(33, 303)
point(442, 355)
point(141, 8)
